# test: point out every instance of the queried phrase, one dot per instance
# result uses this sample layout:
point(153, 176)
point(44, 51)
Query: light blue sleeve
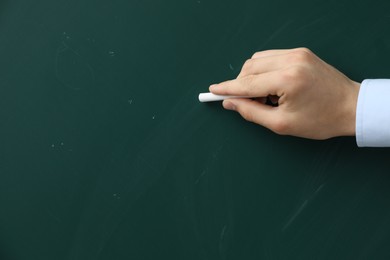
point(373, 114)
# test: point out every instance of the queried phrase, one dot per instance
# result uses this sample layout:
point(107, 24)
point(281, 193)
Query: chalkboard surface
point(106, 153)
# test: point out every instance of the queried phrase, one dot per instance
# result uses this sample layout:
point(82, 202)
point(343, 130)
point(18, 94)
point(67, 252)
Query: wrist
point(351, 105)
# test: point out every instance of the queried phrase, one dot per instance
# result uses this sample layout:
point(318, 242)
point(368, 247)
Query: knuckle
point(247, 65)
point(295, 76)
point(301, 56)
point(256, 54)
point(304, 49)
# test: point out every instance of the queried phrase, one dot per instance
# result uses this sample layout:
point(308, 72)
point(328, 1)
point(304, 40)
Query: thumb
point(254, 111)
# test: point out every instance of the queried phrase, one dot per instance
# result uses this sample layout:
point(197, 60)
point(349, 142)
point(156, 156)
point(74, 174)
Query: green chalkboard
point(106, 153)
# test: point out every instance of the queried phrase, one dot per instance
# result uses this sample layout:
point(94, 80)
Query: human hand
point(313, 99)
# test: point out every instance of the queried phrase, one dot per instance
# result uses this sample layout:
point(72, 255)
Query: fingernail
point(213, 87)
point(229, 105)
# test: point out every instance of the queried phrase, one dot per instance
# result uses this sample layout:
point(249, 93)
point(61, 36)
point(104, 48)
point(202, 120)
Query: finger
point(267, 61)
point(252, 111)
point(268, 53)
point(263, 65)
point(261, 85)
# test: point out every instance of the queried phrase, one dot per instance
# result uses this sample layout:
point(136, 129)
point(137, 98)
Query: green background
point(106, 153)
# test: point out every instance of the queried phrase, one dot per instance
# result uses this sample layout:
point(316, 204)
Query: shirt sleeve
point(373, 114)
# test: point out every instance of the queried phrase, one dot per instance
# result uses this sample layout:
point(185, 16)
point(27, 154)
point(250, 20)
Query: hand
point(311, 98)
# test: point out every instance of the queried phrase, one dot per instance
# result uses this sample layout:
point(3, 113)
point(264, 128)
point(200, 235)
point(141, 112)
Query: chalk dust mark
point(223, 242)
point(312, 23)
point(319, 188)
point(71, 68)
point(240, 28)
point(222, 233)
point(198, 179)
point(217, 152)
point(295, 215)
point(111, 53)
point(276, 34)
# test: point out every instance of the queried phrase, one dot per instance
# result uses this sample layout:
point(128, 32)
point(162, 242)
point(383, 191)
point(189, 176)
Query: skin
point(311, 98)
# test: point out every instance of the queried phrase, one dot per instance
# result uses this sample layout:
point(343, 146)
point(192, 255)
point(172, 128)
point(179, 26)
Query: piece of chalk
point(209, 97)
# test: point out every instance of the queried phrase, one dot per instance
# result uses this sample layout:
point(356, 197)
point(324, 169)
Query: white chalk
point(208, 97)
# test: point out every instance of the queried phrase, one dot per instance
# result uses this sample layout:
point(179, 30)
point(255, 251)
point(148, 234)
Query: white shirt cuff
point(373, 114)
